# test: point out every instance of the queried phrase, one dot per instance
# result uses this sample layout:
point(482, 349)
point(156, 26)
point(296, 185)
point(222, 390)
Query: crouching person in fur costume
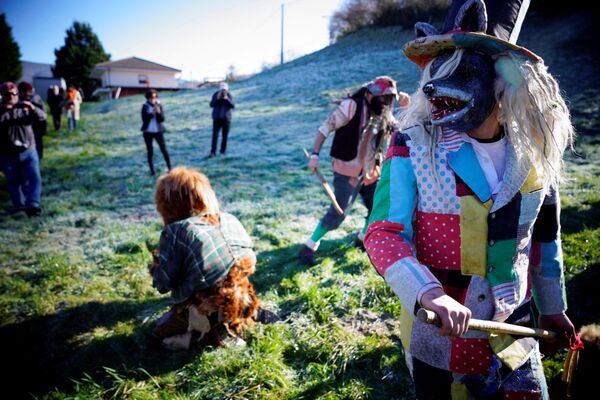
point(205, 259)
point(466, 216)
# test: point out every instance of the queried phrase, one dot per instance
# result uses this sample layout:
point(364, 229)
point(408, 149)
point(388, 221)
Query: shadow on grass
point(49, 352)
point(583, 296)
point(573, 219)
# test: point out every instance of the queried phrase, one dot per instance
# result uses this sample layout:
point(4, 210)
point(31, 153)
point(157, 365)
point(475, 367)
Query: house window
point(143, 79)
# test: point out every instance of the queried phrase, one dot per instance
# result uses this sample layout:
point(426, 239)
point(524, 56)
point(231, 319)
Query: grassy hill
point(76, 302)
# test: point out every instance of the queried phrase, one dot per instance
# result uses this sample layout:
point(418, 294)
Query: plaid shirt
point(194, 255)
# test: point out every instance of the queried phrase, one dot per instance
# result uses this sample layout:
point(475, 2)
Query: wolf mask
point(462, 96)
point(463, 99)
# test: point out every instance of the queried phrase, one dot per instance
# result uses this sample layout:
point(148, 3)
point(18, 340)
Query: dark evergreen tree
point(10, 66)
point(78, 56)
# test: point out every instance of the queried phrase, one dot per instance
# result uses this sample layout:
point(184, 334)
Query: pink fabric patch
point(385, 245)
point(470, 356)
point(438, 240)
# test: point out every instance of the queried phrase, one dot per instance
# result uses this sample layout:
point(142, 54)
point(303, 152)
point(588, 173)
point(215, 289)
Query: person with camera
point(55, 98)
point(27, 93)
point(222, 104)
point(18, 156)
point(153, 117)
point(361, 125)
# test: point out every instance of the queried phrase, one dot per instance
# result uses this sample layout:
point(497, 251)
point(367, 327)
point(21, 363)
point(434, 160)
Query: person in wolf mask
point(465, 220)
point(362, 124)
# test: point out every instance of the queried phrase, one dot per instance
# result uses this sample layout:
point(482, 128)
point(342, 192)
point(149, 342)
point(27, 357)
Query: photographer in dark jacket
point(27, 93)
point(221, 103)
point(18, 156)
point(56, 99)
point(153, 117)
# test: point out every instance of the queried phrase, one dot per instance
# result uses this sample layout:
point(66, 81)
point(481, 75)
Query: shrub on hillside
point(357, 14)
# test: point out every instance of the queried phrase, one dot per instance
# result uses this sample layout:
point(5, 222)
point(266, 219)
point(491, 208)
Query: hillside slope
point(76, 300)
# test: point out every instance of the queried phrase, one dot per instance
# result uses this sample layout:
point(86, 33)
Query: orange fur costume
point(217, 313)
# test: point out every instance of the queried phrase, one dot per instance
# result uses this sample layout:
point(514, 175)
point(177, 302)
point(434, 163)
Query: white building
point(135, 75)
point(40, 76)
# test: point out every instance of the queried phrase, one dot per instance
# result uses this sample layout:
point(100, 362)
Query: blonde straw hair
point(533, 112)
point(183, 193)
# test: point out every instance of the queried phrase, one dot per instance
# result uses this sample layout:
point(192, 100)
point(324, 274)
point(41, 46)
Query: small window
point(143, 79)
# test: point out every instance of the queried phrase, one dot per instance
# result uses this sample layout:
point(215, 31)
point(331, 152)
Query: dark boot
point(307, 255)
point(359, 244)
point(266, 316)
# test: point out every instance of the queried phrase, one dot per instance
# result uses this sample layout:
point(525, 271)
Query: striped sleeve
point(546, 258)
point(389, 236)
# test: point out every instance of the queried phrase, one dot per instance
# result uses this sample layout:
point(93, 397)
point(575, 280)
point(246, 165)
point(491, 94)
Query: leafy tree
point(354, 15)
point(78, 56)
point(10, 66)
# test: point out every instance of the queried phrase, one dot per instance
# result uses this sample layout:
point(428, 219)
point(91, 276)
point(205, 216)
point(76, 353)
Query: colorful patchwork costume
point(478, 219)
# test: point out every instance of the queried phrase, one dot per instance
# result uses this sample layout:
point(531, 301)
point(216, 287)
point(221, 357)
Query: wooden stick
point(430, 317)
point(326, 187)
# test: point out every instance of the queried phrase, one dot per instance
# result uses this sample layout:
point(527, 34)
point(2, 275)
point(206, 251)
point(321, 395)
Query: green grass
point(76, 301)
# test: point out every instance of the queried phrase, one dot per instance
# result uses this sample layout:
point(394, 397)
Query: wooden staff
point(430, 317)
point(326, 187)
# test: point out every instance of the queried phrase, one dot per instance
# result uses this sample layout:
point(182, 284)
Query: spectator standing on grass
point(222, 104)
point(361, 126)
point(73, 104)
point(153, 117)
point(27, 93)
point(18, 157)
point(55, 101)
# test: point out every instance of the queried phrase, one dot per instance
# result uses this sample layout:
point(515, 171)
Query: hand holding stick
point(430, 317)
point(326, 187)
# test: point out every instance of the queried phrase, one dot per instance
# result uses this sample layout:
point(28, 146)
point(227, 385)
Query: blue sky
point(201, 37)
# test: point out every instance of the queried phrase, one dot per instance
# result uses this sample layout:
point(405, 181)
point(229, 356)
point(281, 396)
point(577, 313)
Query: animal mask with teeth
point(463, 99)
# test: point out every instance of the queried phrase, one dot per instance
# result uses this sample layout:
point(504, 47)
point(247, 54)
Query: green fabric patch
point(381, 198)
point(500, 261)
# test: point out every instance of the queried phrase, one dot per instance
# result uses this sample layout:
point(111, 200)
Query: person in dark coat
point(153, 117)
point(27, 93)
point(222, 104)
point(55, 101)
point(18, 157)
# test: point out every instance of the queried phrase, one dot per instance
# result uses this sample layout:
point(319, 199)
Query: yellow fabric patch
point(473, 235)
point(406, 324)
point(508, 349)
point(533, 182)
point(458, 391)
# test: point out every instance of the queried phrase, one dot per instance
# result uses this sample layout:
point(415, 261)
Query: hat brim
point(424, 49)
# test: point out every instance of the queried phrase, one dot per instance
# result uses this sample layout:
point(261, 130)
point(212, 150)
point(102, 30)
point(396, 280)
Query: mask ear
point(423, 29)
point(471, 17)
point(508, 69)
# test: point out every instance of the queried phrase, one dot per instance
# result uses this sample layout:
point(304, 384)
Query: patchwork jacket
point(434, 223)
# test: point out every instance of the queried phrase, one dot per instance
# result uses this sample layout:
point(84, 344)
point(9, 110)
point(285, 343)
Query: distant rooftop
point(136, 63)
